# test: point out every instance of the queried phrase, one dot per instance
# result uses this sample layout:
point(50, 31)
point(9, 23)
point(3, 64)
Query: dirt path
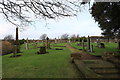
point(84, 56)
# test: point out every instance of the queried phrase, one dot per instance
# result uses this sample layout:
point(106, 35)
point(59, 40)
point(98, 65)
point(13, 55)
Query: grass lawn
point(55, 64)
point(109, 47)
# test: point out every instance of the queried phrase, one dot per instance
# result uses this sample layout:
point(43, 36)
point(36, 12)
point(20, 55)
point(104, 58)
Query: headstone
point(119, 44)
point(98, 43)
point(27, 44)
point(47, 43)
point(69, 41)
point(102, 45)
point(83, 45)
point(89, 50)
point(55, 41)
point(42, 50)
point(15, 48)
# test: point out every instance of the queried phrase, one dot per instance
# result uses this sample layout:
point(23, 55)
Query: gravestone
point(89, 50)
point(98, 43)
point(83, 45)
point(55, 41)
point(108, 55)
point(27, 44)
point(102, 45)
point(69, 41)
point(42, 50)
point(47, 43)
point(119, 44)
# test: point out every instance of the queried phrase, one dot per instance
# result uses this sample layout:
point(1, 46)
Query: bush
point(21, 41)
point(7, 47)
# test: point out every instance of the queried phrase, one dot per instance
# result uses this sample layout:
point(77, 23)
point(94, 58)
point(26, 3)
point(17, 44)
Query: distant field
point(109, 47)
point(55, 64)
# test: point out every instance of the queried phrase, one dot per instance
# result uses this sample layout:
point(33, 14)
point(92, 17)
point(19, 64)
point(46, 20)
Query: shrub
point(7, 47)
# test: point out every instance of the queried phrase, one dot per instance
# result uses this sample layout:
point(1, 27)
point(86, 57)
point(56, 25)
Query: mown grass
point(54, 64)
point(109, 47)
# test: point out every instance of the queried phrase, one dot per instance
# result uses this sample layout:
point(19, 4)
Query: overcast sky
point(83, 25)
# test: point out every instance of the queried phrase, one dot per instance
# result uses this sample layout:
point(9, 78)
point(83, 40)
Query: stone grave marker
point(102, 45)
point(69, 41)
point(55, 41)
point(27, 44)
point(98, 43)
point(47, 43)
point(89, 50)
point(83, 45)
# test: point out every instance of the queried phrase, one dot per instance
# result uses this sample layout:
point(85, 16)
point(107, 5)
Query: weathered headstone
point(83, 45)
point(55, 41)
point(42, 50)
point(98, 43)
point(69, 41)
point(89, 50)
point(102, 45)
point(27, 44)
point(47, 43)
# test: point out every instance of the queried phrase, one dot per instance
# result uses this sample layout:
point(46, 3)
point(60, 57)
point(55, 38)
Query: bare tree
point(43, 36)
point(8, 37)
point(22, 12)
point(73, 36)
point(65, 36)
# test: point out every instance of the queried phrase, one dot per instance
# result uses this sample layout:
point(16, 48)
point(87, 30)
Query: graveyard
point(60, 60)
point(59, 39)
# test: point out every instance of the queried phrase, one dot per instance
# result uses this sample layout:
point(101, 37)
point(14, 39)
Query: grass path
point(84, 56)
point(73, 50)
